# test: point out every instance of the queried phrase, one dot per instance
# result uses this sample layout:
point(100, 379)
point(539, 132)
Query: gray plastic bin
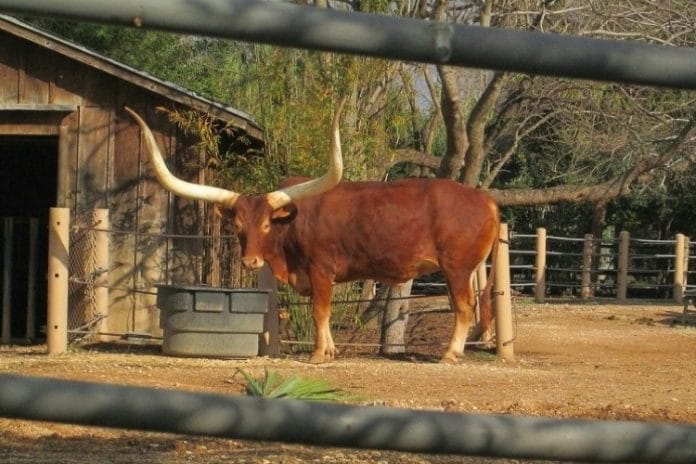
point(212, 322)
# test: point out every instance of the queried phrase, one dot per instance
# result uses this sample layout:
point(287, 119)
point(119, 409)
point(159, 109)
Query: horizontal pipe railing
point(292, 421)
point(290, 25)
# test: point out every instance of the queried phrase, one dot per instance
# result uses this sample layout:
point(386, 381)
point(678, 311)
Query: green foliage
point(563, 219)
point(300, 309)
point(292, 93)
point(240, 171)
point(177, 58)
point(297, 109)
point(300, 317)
point(273, 385)
point(668, 203)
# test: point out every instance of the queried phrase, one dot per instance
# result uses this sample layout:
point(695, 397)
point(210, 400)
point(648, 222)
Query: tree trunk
point(395, 319)
point(455, 125)
point(599, 216)
point(375, 307)
point(365, 310)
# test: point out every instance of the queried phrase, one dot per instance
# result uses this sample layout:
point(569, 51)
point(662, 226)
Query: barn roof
point(134, 76)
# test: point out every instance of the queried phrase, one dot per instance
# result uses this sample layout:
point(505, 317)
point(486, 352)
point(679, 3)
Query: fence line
point(584, 267)
point(626, 267)
point(87, 279)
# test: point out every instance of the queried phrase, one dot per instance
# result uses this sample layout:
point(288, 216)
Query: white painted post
point(502, 300)
point(58, 256)
point(540, 266)
point(679, 260)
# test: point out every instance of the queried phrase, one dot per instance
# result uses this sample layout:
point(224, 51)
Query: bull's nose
point(252, 263)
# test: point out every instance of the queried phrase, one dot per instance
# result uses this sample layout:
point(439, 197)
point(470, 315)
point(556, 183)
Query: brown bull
point(313, 233)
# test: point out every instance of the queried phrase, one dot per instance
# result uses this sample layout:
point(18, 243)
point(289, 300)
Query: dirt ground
point(579, 361)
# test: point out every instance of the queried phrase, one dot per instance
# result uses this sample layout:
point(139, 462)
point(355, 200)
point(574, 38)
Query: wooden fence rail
point(625, 267)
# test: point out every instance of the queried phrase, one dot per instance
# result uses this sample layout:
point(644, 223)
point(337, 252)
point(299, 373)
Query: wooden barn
point(66, 141)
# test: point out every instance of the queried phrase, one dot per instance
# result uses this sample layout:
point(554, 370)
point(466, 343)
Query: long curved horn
point(174, 184)
point(282, 197)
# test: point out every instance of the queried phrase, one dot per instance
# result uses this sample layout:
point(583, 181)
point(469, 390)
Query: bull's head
point(252, 215)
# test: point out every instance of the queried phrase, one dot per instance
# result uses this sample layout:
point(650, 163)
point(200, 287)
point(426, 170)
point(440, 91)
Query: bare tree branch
point(476, 125)
point(601, 192)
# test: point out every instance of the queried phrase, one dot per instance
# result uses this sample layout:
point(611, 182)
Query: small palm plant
point(273, 385)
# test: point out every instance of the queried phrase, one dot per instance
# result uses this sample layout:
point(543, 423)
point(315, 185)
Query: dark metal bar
point(314, 423)
point(8, 245)
point(32, 266)
point(291, 25)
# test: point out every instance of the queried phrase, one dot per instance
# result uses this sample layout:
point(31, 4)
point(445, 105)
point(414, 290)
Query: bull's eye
point(266, 227)
point(238, 226)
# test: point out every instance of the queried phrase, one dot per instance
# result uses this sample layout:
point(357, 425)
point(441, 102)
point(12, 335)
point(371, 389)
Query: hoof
point(320, 358)
point(450, 358)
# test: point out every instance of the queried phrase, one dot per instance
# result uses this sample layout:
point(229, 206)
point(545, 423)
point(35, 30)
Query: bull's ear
point(285, 213)
point(217, 211)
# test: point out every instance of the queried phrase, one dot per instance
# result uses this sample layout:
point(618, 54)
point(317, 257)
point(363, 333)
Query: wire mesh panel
point(82, 312)
point(140, 261)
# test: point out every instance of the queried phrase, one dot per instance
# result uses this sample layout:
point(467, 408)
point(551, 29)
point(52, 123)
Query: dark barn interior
point(28, 173)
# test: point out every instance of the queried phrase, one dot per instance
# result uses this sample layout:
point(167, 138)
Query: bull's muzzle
point(252, 263)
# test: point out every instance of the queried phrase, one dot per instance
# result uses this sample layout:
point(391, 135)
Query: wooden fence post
point(687, 253)
point(100, 219)
point(622, 275)
point(679, 272)
point(502, 300)
point(58, 256)
point(540, 266)
point(63, 189)
point(586, 276)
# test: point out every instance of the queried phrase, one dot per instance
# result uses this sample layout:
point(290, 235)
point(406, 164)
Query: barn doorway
point(28, 183)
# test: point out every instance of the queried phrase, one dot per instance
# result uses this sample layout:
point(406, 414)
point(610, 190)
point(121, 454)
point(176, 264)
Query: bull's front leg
point(324, 348)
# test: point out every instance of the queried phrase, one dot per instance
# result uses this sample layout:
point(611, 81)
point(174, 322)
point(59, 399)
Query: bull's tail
point(485, 307)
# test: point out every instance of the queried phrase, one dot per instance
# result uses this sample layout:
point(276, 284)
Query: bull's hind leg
point(462, 300)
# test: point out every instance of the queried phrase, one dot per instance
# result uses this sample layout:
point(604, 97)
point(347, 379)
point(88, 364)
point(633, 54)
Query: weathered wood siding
point(41, 90)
